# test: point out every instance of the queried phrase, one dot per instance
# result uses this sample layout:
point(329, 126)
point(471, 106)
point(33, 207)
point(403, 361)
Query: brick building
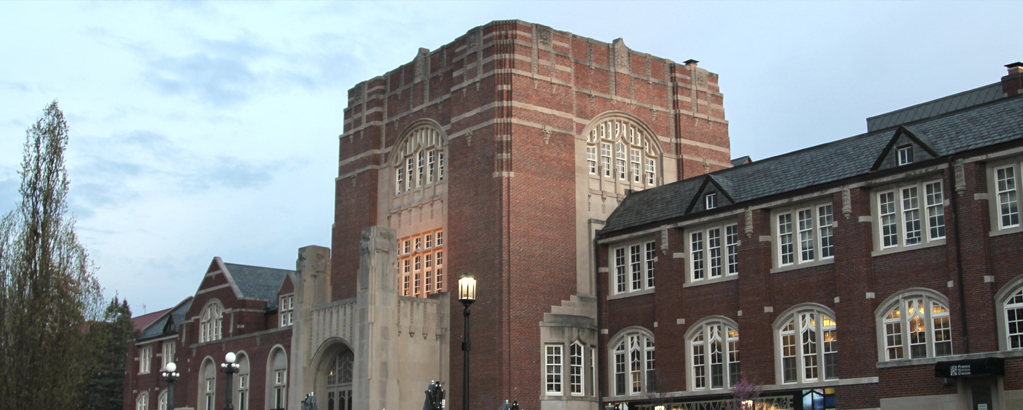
point(877, 271)
point(237, 308)
point(562, 172)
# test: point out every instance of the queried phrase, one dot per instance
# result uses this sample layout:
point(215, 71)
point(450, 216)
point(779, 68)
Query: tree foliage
point(104, 386)
point(48, 290)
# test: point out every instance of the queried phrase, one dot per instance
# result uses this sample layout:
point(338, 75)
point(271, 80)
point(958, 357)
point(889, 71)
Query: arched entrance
point(339, 380)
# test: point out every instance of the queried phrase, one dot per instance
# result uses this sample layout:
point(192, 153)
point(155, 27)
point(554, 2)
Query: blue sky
point(202, 129)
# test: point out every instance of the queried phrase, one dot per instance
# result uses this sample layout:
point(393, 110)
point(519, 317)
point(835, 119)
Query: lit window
point(553, 370)
point(714, 355)
point(915, 325)
point(807, 345)
point(804, 235)
point(713, 252)
point(906, 155)
point(905, 221)
point(422, 268)
point(1013, 316)
point(210, 323)
point(634, 266)
point(633, 368)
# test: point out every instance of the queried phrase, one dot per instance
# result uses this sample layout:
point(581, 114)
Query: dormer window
point(906, 155)
point(710, 201)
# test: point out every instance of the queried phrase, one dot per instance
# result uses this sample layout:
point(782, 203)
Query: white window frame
point(710, 201)
point(418, 160)
point(638, 347)
point(591, 159)
point(161, 401)
point(817, 353)
point(169, 349)
point(905, 154)
point(710, 246)
point(145, 359)
point(898, 338)
point(1009, 306)
point(791, 225)
point(576, 364)
point(211, 322)
point(287, 309)
point(554, 368)
point(142, 401)
point(632, 266)
point(1004, 196)
point(699, 343)
point(902, 207)
point(625, 155)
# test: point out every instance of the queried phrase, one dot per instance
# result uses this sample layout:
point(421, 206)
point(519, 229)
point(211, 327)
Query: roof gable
point(711, 185)
point(904, 136)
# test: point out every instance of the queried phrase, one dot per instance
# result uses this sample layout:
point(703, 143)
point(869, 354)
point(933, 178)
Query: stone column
point(375, 384)
point(312, 287)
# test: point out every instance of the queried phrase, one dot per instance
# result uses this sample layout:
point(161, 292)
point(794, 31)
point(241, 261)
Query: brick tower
point(500, 154)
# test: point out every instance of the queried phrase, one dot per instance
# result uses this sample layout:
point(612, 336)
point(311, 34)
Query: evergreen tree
point(48, 292)
point(104, 387)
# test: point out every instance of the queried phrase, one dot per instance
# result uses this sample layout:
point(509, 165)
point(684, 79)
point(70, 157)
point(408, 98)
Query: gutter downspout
point(959, 259)
point(600, 349)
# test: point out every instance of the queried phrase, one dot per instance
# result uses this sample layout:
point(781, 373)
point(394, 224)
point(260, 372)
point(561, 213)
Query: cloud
point(7, 85)
point(210, 79)
point(9, 195)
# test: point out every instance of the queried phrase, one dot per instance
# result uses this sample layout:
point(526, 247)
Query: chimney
point(1012, 84)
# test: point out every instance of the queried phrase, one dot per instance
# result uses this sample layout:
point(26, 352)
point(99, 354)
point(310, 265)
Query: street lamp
point(229, 368)
point(170, 375)
point(466, 295)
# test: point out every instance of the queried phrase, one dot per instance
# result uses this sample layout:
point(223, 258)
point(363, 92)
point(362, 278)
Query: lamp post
point(229, 368)
point(170, 375)
point(466, 295)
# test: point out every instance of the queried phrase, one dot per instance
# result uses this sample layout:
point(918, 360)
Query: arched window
point(162, 400)
point(713, 346)
point(807, 344)
point(632, 358)
point(339, 381)
point(277, 379)
point(419, 160)
point(242, 383)
point(1009, 303)
point(914, 324)
point(210, 322)
point(635, 152)
point(142, 402)
point(208, 385)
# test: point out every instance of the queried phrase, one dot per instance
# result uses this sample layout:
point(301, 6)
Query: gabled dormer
point(906, 147)
point(712, 194)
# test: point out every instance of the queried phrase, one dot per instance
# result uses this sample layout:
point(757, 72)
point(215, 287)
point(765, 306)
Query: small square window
point(710, 201)
point(906, 155)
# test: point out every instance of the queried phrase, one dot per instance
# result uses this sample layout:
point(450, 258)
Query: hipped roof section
point(951, 133)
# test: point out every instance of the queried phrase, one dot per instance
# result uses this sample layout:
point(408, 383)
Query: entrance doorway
point(339, 381)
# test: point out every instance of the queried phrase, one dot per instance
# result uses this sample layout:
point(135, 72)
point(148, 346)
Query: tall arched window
point(914, 324)
point(241, 384)
point(339, 381)
point(1009, 303)
point(142, 402)
point(208, 385)
point(419, 160)
point(210, 322)
point(634, 150)
point(713, 346)
point(632, 358)
point(277, 379)
point(807, 344)
point(162, 401)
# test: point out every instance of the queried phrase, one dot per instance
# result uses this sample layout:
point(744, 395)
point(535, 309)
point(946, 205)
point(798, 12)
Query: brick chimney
point(1012, 84)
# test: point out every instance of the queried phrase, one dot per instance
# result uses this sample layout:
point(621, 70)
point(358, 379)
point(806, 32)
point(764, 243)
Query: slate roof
point(175, 315)
point(937, 107)
point(741, 160)
point(142, 321)
point(975, 127)
point(257, 282)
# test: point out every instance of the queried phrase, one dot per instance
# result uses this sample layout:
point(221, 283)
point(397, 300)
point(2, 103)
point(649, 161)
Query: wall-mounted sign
point(991, 366)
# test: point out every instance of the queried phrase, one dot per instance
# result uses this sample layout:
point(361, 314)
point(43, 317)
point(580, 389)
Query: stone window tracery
point(635, 158)
point(419, 161)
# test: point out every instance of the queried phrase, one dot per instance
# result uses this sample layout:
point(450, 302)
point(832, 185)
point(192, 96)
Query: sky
point(203, 129)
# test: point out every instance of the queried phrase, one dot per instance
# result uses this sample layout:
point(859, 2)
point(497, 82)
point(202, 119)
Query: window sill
point(826, 383)
point(702, 282)
point(932, 360)
point(797, 266)
point(903, 248)
point(1007, 231)
point(627, 294)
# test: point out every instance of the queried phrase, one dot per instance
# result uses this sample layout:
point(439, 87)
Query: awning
point(991, 366)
